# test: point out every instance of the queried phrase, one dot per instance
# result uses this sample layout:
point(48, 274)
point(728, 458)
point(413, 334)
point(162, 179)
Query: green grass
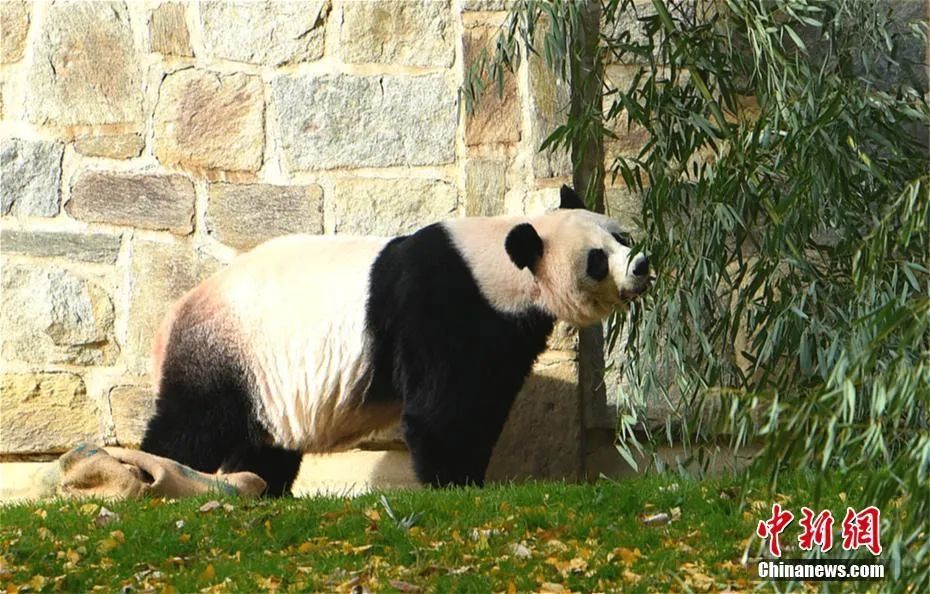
point(583, 537)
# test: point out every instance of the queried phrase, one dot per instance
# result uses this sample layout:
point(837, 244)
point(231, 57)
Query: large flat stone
point(53, 315)
point(31, 172)
point(168, 34)
point(15, 18)
point(270, 33)
point(162, 272)
point(210, 121)
point(485, 187)
point(390, 206)
point(496, 118)
point(342, 120)
point(132, 407)
point(542, 436)
point(244, 215)
point(84, 70)
point(89, 247)
point(120, 146)
point(45, 412)
point(161, 202)
point(407, 32)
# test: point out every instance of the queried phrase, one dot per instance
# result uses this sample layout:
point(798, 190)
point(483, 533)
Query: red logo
point(862, 530)
point(773, 527)
point(817, 530)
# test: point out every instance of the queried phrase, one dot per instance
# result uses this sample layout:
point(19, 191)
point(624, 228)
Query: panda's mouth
point(633, 293)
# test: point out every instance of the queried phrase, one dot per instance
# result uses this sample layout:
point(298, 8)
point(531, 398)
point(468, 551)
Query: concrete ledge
point(354, 472)
point(18, 479)
point(345, 474)
point(359, 471)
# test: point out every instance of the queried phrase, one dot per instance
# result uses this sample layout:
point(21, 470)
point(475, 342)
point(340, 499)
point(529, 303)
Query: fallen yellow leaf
point(208, 573)
point(107, 544)
point(624, 554)
point(38, 582)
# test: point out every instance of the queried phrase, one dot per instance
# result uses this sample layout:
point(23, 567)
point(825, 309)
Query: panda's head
point(581, 261)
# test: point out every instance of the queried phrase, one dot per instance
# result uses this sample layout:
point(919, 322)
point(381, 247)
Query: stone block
point(31, 172)
point(244, 215)
point(210, 121)
point(487, 5)
point(405, 32)
point(45, 413)
point(389, 207)
point(564, 338)
point(131, 407)
point(344, 120)
point(542, 436)
point(485, 187)
point(623, 205)
point(54, 315)
point(549, 101)
point(85, 70)
point(497, 115)
point(162, 272)
point(168, 34)
point(268, 33)
point(15, 18)
point(160, 202)
point(89, 247)
point(121, 146)
point(629, 138)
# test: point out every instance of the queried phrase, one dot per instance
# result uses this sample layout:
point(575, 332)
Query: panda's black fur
point(440, 355)
point(457, 361)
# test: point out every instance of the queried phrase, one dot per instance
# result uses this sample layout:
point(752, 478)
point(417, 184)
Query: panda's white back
point(297, 305)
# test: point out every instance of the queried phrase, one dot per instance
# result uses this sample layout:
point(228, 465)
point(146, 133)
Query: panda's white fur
point(294, 325)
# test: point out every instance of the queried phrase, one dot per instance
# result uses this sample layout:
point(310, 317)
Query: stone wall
point(145, 143)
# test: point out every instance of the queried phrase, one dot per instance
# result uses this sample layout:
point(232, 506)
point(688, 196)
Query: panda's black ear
point(524, 246)
point(570, 198)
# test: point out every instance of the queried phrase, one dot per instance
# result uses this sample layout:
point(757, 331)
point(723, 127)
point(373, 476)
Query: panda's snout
point(641, 266)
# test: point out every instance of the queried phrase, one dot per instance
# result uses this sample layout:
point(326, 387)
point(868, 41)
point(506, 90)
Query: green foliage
point(786, 206)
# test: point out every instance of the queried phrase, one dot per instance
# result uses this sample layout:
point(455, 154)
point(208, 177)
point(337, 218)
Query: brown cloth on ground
point(87, 470)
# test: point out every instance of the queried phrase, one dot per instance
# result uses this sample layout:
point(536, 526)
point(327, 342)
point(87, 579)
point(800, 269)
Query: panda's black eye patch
point(597, 264)
point(624, 239)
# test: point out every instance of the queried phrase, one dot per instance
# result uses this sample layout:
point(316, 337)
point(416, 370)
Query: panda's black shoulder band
point(524, 246)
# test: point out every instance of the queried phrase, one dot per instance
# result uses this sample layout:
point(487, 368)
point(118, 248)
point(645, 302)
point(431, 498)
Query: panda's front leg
point(447, 453)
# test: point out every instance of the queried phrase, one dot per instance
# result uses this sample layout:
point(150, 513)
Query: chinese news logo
point(860, 529)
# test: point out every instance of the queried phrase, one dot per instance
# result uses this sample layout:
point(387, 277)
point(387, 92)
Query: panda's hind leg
point(205, 414)
point(277, 466)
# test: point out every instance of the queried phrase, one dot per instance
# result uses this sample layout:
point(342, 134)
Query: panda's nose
point(641, 266)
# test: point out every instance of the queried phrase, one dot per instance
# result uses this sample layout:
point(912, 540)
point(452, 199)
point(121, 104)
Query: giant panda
point(308, 343)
